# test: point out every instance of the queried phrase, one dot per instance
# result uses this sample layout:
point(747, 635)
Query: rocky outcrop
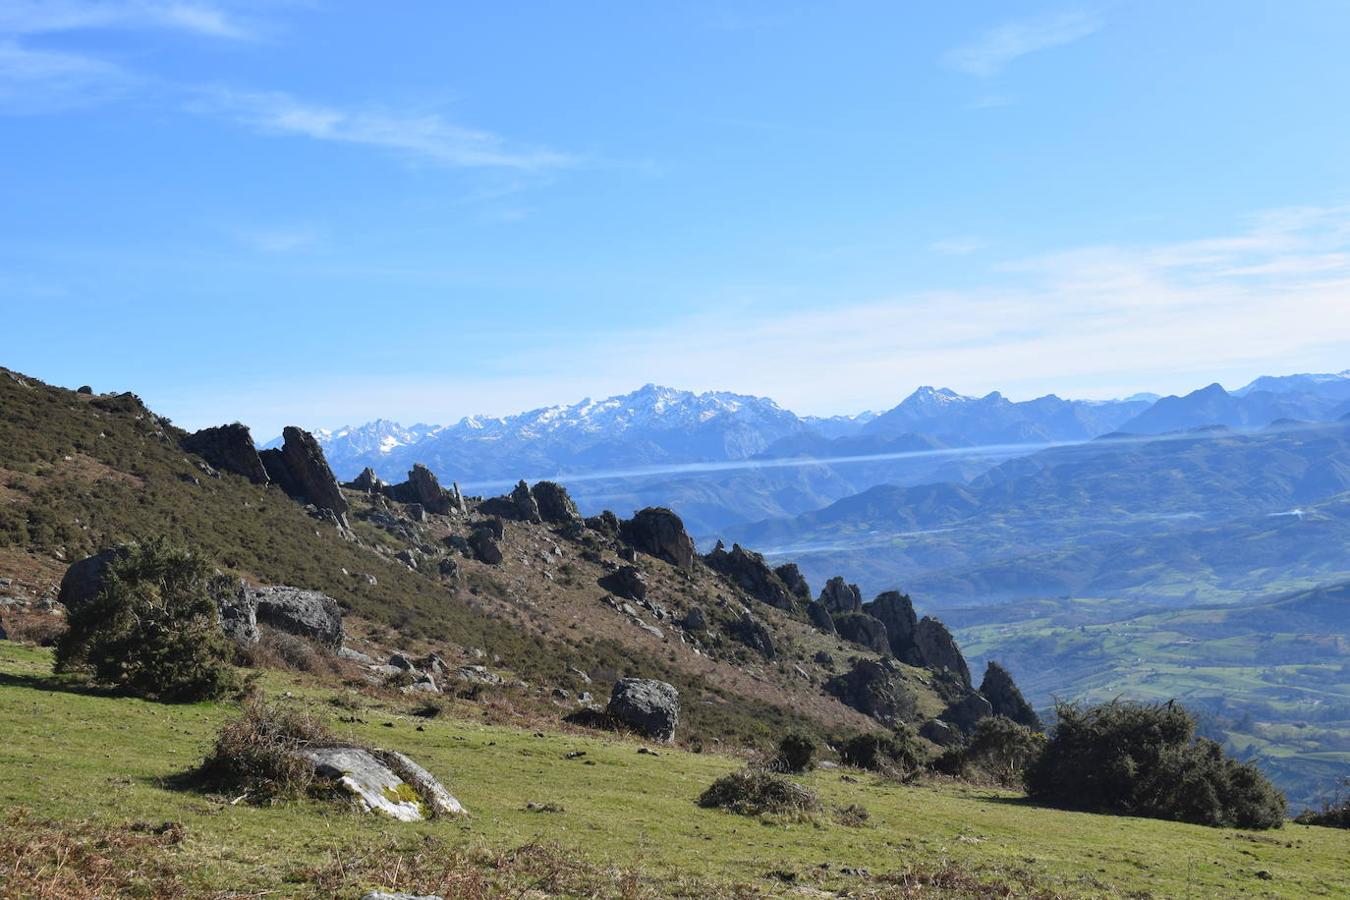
point(229, 448)
point(84, 579)
point(627, 582)
point(748, 571)
point(527, 508)
point(659, 532)
point(300, 469)
point(1005, 699)
point(967, 712)
point(368, 482)
point(754, 634)
point(838, 596)
point(554, 503)
point(860, 628)
point(794, 581)
point(649, 707)
point(874, 689)
point(937, 649)
point(896, 612)
point(606, 524)
point(941, 733)
point(820, 617)
point(308, 614)
point(422, 487)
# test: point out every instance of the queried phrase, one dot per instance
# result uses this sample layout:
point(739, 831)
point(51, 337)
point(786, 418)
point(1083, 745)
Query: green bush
point(896, 754)
point(151, 630)
point(796, 753)
point(1145, 760)
point(999, 751)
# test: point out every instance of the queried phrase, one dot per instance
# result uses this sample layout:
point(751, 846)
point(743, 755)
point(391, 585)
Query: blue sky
point(323, 212)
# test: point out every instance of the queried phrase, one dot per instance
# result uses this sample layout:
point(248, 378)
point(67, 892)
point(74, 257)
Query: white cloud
point(46, 16)
point(991, 51)
point(35, 81)
point(423, 136)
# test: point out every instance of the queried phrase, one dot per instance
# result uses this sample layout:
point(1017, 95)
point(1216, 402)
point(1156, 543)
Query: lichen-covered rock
point(874, 689)
point(937, 649)
point(792, 577)
point(308, 614)
point(896, 612)
point(627, 582)
point(838, 596)
point(369, 780)
point(754, 634)
point(230, 448)
point(748, 571)
point(967, 712)
point(433, 793)
point(554, 503)
point(860, 628)
point(659, 532)
point(820, 617)
point(1005, 699)
point(647, 706)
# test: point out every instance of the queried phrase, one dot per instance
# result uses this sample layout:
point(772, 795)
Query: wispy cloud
point(424, 136)
point(39, 81)
point(996, 48)
point(19, 17)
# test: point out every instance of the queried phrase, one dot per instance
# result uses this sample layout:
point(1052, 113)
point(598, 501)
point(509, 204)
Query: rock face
point(647, 706)
point(301, 470)
point(527, 508)
point(236, 611)
point(748, 571)
point(1005, 699)
point(84, 579)
point(937, 649)
point(554, 503)
point(838, 596)
point(422, 487)
point(754, 634)
point(368, 482)
point(860, 628)
point(659, 532)
point(792, 578)
point(228, 447)
point(966, 712)
point(820, 617)
point(627, 582)
point(384, 782)
point(308, 614)
point(874, 689)
point(896, 612)
point(606, 524)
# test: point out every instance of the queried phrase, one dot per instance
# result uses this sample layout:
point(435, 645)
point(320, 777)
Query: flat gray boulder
point(308, 614)
point(648, 706)
point(370, 781)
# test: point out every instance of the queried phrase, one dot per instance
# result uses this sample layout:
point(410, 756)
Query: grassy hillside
point(626, 823)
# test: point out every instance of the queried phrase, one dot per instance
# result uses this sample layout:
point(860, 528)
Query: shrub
point(151, 630)
point(757, 793)
point(796, 753)
point(256, 754)
point(1333, 814)
point(897, 754)
point(1000, 751)
point(1145, 760)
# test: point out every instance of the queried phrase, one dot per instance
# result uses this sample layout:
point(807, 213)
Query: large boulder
point(874, 689)
point(896, 612)
point(1005, 699)
point(937, 649)
point(554, 503)
point(627, 582)
point(860, 628)
point(368, 482)
point(230, 448)
point(383, 781)
point(967, 712)
point(647, 706)
point(422, 487)
point(308, 614)
point(820, 617)
point(754, 634)
point(838, 596)
point(236, 610)
point(606, 524)
point(527, 508)
point(484, 545)
point(84, 579)
point(794, 580)
point(659, 532)
point(748, 571)
point(302, 471)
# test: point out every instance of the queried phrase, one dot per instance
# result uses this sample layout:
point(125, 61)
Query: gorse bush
point(796, 753)
point(898, 754)
point(152, 630)
point(999, 751)
point(1145, 760)
point(256, 754)
point(753, 792)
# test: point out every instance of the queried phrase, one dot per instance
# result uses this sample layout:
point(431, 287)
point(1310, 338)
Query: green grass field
point(69, 757)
